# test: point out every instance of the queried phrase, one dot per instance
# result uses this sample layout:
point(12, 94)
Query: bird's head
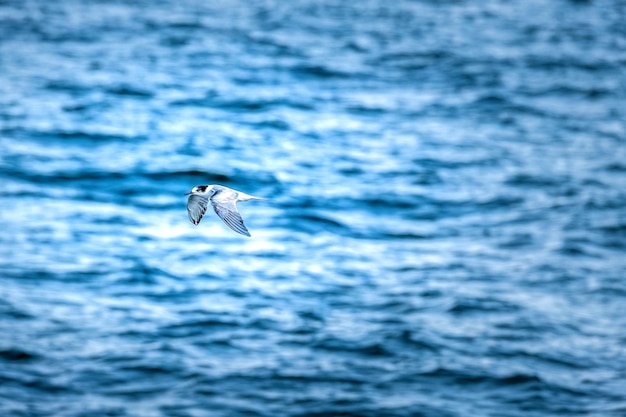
point(200, 189)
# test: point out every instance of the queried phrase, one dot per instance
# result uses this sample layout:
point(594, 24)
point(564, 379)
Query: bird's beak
point(188, 193)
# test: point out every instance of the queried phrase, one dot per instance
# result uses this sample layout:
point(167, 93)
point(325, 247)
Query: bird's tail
point(245, 197)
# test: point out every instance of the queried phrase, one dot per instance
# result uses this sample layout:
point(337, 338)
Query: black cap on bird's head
point(197, 189)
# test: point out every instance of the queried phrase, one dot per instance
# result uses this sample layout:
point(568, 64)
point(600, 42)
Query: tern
point(224, 201)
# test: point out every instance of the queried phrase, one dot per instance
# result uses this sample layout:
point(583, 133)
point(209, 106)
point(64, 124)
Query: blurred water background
point(445, 233)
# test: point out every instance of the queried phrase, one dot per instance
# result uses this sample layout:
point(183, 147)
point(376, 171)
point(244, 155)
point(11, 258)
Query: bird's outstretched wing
point(225, 205)
point(196, 207)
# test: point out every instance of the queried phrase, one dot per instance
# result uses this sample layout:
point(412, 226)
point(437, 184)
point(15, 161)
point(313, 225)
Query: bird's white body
point(224, 201)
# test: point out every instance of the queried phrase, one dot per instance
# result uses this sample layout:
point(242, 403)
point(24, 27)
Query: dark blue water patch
point(12, 312)
point(205, 101)
point(130, 91)
point(40, 273)
point(473, 379)
point(574, 91)
point(201, 327)
point(413, 60)
point(457, 161)
point(439, 209)
point(175, 41)
point(526, 180)
point(617, 167)
point(488, 305)
point(320, 71)
point(140, 276)
point(372, 349)
point(87, 106)
point(494, 104)
point(72, 87)
point(243, 105)
point(247, 105)
point(553, 63)
point(93, 184)
point(560, 359)
point(16, 355)
point(39, 382)
point(573, 248)
point(312, 223)
point(398, 235)
point(279, 125)
point(70, 137)
point(613, 236)
point(68, 177)
point(518, 241)
point(608, 201)
point(369, 110)
point(392, 202)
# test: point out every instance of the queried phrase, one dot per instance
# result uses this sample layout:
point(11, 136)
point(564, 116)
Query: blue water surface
point(444, 232)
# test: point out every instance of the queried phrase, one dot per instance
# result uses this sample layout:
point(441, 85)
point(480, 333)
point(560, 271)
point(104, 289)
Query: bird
point(224, 201)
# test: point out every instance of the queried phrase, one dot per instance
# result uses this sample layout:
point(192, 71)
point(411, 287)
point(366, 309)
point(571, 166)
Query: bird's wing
point(196, 207)
point(225, 205)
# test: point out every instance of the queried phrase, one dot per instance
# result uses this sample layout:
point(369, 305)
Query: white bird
point(224, 201)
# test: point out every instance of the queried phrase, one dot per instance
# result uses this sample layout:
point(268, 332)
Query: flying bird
point(224, 201)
